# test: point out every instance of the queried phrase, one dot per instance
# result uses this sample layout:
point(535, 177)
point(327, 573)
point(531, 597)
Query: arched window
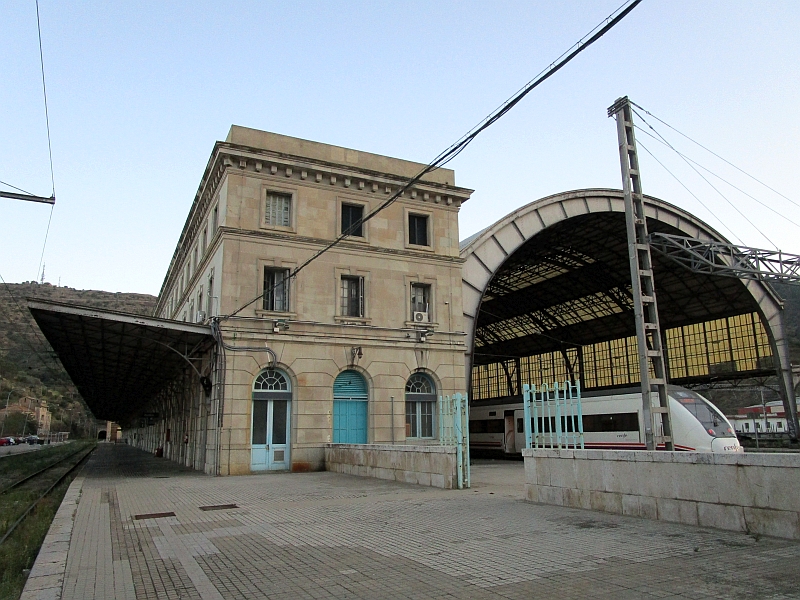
point(271, 380)
point(420, 406)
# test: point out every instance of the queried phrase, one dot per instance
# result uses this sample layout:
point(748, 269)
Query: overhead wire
point(456, 148)
point(676, 178)
point(49, 142)
point(717, 155)
point(737, 188)
point(16, 188)
point(704, 178)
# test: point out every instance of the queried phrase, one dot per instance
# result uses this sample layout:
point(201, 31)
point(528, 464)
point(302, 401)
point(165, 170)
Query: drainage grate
point(218, 507)
point(154, 516)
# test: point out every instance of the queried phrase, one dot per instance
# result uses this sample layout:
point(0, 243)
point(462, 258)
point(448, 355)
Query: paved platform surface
point(327, 535)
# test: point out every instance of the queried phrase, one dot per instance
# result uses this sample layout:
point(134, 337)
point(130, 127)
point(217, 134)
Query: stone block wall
point(754, 493)
point(434, 466)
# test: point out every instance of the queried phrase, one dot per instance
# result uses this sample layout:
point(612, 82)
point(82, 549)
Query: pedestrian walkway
point(145, 528)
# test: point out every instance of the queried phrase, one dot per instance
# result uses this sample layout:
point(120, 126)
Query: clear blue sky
point(139, 92)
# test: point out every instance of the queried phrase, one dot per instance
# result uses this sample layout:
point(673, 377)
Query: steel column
point(648, 329)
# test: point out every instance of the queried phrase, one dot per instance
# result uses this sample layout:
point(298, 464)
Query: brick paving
point(326, 535)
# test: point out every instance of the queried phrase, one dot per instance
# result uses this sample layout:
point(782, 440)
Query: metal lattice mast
point(648, 329)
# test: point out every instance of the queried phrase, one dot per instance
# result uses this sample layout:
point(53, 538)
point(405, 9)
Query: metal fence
point(454, 431)
point(553, 415)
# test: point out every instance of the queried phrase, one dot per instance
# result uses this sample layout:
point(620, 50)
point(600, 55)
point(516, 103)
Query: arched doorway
point(420, 406)
point(271, 426)
point(350, 400)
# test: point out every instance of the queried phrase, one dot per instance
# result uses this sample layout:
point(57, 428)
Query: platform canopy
point(118, 361)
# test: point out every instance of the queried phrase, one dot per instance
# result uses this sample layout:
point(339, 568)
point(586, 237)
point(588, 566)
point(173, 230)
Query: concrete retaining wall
point(424, 465)
point(755, 493)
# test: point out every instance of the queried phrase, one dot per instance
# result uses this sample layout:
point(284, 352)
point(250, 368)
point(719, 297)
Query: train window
point(487, 426)
point(492, 413)
point(548, 424)
point(701, 410)
point(611, 422)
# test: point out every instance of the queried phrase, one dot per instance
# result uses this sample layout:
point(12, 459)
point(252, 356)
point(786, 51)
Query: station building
point(354, 349)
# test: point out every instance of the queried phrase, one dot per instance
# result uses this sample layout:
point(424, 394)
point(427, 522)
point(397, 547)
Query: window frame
point(414, 404)
point(291, 193)
point(285, 287)
point(210, 292)
point(341, 202)
point(276, 264)
point(214, 219)
point(430, 281)
point(419, 212)
point(417, 229)
point(359, 233)
point(359, 281)
point(427, 291)
point(338, 317)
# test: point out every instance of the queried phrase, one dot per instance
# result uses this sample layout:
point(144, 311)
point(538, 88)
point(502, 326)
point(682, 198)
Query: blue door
point(350, 408)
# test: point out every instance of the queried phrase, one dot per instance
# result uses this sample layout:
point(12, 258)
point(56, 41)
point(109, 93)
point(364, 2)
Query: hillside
point(28, 367)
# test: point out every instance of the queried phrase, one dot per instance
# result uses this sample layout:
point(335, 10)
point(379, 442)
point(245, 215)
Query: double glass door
point(270, 448)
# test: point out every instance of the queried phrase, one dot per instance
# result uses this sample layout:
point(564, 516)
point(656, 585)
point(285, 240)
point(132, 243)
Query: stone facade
point(266, 205)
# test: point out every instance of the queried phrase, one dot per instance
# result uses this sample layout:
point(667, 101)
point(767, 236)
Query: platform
point(326, 535)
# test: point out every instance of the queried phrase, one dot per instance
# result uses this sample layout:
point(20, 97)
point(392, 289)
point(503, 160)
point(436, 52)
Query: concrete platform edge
point(47, 575)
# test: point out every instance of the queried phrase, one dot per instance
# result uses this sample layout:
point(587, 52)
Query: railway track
point(58, 471)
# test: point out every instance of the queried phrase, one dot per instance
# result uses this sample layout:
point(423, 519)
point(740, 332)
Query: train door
point(519, 419)
point(509, 445)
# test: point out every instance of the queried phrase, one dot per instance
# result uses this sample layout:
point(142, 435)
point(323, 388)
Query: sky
point(139, 92)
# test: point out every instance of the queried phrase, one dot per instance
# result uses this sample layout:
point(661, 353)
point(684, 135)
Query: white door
point(271, 427)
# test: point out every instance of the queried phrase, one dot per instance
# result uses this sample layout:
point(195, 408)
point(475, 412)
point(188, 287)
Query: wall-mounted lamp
point(424, 334)
point(278, 326)
point(356, 352)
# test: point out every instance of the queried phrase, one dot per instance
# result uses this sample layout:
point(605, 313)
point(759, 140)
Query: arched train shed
point(547, 297)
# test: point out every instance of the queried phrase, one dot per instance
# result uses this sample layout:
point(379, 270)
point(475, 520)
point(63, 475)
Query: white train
point(612, 420)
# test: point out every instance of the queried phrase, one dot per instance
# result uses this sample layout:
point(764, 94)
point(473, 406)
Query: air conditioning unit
point(420, 317)
point(201, 316)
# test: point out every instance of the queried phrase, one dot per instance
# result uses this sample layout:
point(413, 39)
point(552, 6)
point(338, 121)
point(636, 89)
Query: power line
point(16, 188)
point(44, 92)
point(49, 143)
point(676, 178)
point(456, 148)
point(717, 155)
point(744, 216)
point(738, 189)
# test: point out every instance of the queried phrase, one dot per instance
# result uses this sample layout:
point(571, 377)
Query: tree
point(16, 423)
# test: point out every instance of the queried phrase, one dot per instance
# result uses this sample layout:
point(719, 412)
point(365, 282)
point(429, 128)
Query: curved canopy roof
point(556, 274)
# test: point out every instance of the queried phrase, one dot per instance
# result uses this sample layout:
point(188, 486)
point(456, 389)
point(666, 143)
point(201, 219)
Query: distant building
point(43, 417)
point(767, 418)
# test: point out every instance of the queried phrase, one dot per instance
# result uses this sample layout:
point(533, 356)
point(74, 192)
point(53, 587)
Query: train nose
point(726, 445)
